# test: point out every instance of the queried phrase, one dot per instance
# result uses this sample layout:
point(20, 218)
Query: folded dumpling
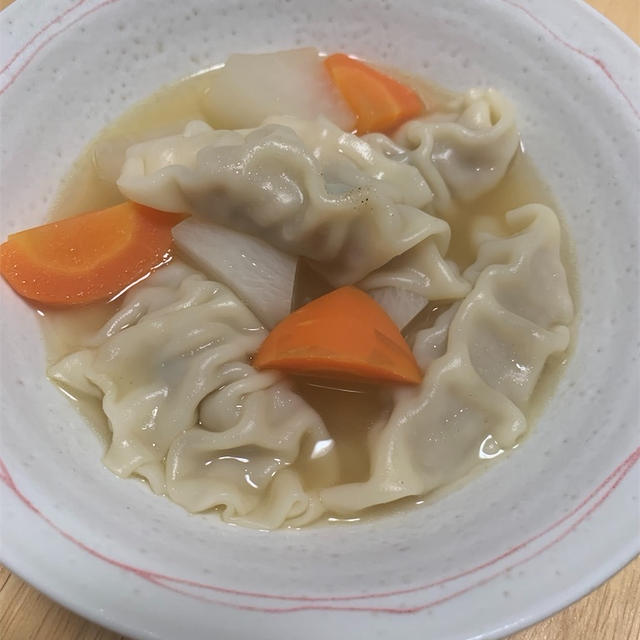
point(473, 400)
point(186, 410)
point(462, 153)
point(343, 206)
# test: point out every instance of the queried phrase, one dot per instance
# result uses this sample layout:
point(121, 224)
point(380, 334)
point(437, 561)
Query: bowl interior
point(121, 52)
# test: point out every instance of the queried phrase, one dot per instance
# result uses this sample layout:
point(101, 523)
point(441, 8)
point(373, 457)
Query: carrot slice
point(343, 334)
point(89, 257)
point(379, 102)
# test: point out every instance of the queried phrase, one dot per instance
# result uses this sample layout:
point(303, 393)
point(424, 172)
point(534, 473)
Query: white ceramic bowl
point(538, 530)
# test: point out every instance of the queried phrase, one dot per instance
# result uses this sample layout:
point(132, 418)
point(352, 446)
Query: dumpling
point(422, 271)
point(348, 159)
point(409, 281)
point(472, 402)
point(431, 343)
point(251, 432)
point(331, 207)
point(461, 154)
point(185, 408)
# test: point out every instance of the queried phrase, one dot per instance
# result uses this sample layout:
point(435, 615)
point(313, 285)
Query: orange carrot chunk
point(379, 102)
point(344, 334)
point(89, 257)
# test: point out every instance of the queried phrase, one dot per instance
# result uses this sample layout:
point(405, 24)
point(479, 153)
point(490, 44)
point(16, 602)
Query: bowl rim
point(617, 561)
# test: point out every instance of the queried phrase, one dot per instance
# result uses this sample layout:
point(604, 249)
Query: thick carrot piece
point(344, 334)
point(89, 257)
point(379, 102)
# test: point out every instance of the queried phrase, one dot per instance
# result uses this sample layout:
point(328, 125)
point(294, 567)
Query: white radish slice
point(261, 276)
point(249, 88)
point(401, 305)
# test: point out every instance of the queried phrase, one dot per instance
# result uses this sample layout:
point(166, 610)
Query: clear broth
point(349, 411)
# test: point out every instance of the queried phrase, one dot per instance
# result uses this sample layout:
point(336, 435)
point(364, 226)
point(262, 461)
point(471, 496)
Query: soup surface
point(479, 323)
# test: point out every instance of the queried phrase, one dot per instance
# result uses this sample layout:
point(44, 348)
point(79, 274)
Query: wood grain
point(611, 612)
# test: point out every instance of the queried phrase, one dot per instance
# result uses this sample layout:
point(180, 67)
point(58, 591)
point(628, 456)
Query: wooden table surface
point(611, 612)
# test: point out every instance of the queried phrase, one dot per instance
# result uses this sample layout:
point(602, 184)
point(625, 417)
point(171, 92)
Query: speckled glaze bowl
point(539, 529)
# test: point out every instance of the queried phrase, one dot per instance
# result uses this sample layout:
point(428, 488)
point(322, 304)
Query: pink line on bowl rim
point(625, 468)
point(324, 603)
point(631, 460)
point(50, 38)
point(38, 33)
point(597, 61)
